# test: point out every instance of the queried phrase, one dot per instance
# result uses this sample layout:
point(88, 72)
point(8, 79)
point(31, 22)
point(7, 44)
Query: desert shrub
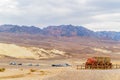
point(43, 72)
point(2, 69)
point(21, 69)
point(32, 70)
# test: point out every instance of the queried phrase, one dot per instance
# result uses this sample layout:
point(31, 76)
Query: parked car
point(66, 64)
point(12, 63)
point(56, 65)
point(19, 63)
point(30, 64)
point(37, 65)
point(60, 65)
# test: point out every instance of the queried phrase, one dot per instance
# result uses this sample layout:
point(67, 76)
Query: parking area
point(34, 64)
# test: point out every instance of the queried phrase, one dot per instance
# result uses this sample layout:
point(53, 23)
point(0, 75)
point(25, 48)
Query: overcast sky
point(93, 14)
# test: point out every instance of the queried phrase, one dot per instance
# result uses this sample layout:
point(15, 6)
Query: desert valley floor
point(46, 72)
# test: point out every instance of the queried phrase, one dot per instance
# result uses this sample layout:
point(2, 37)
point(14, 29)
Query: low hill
point(14, 51)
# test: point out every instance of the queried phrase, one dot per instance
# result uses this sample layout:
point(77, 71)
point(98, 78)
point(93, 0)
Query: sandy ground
point(87, 75)
point(46, 72)
point(15, 51)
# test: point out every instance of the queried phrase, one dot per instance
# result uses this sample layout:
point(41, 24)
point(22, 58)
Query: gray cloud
point(94, 14)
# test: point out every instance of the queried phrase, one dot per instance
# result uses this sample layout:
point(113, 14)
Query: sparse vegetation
point(2, 69)
point(42, 72)
point(32, 70)
point(21, 69)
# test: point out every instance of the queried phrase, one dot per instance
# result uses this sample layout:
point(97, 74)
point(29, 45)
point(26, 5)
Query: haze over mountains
point(59, 31)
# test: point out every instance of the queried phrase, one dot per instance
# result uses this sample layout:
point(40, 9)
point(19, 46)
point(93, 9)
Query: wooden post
point(116, 66)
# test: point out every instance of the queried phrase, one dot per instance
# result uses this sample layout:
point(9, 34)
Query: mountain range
point(75, 41)
point(60, 31)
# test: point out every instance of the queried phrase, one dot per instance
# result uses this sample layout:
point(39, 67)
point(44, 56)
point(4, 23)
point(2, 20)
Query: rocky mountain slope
point(109, 35)
point(68, 30)
point(59, 31)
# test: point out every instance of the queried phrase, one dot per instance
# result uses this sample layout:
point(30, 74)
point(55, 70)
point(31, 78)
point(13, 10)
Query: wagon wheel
point(110, 65)
point(87, 66)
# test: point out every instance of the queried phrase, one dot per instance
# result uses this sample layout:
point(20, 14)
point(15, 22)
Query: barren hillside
point(14, 51)
point(79, 47)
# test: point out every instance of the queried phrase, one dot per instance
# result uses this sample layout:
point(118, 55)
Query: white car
point(12, 63)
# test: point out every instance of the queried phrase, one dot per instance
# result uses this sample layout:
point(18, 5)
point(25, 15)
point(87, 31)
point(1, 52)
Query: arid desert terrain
point(28, 59)
point(45, 70)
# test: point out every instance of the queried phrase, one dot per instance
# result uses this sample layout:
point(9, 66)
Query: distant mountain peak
point(61, 30)
point(19, 29)
point(67, 30)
